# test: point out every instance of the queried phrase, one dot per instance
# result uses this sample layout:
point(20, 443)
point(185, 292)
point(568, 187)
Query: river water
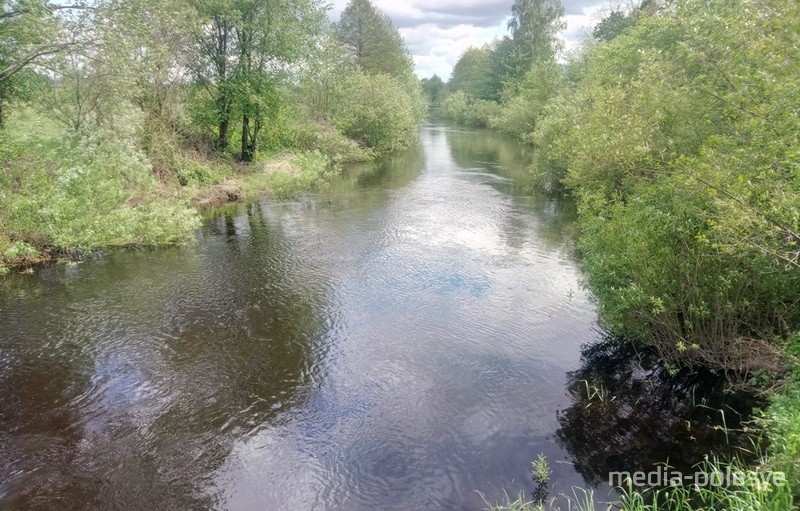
point(402, 341)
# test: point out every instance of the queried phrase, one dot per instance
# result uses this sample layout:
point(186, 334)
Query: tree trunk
point(224, 109)
point(254, 140)
point(223, 134)
point(246, 154)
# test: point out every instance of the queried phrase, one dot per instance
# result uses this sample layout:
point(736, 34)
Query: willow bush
point(683, 152)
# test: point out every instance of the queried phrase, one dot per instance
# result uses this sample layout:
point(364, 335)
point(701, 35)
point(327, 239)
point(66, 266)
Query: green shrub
point(378, 111)
point(195, 173)
point(681, 146)
point(554, 142)
point(313, 136)
point(94, 190)
point(464, 109)
point(287, 175)
point(516, 116)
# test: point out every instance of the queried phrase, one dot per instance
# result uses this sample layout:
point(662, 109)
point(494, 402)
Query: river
point(402, 340)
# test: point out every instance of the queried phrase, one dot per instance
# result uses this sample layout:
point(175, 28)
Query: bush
point(681, 146)
point(554, 142)
point(517, 117)
point(378, 111)
point(289, 174)
point(93, 191)
point(464, 109)
point(314, 136)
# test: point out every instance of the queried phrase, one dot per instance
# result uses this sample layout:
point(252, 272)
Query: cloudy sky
point(438, 31)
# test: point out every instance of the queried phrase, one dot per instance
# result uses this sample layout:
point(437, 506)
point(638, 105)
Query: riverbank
point(65, 194)
point(675, 129)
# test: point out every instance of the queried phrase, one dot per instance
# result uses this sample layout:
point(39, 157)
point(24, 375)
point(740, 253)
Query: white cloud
point(438, 31)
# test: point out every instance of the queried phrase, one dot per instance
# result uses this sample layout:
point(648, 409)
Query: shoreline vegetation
point(675, 127)
point(119, 120)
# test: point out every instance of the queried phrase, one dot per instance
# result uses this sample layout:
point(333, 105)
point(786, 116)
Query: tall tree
point(534, 26)
point(473, 73)
point(215, 62)
point(321, 78)
point(376, 44)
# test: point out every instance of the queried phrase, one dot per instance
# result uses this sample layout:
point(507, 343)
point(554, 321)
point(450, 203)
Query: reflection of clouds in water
point(392, 432)
point(403, 344)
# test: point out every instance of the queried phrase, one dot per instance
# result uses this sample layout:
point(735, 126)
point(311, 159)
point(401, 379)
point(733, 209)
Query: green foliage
point(288, 175)
point(148, 103)
point(94, 190)
point(312, 136)
point(540, 469)
point(516, 116)
point(553, 138)
point(378, 111)
point(612, 25)
point(473, 73)
point(534, 26)
point(242, 55)
point(26, 35)
point(197, 173)
point(520, 71)
point(435, 89)
point(754, 495)
point(373, 41)
point(466, 110)
point(531, 94)
point(680, 141)
point(321, 84)
point(782, 424)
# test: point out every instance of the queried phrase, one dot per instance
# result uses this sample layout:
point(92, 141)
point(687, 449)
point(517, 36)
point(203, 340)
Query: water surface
point(397, 342)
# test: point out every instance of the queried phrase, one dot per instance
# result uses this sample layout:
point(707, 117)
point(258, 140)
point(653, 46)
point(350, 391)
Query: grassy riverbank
point(118, 121)
point(65, 193)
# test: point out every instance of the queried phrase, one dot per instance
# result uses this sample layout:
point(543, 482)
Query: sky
point(438, 31)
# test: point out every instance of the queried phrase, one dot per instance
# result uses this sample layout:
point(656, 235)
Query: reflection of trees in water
point(127, 386)
point(628, 414)
point(490, 150)
point(500, 154)
point(393, 170)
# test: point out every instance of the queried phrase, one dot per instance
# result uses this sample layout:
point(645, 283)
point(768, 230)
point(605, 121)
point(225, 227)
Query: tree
point(372, 39)
point(243, 48)
point(30, 33)
point(473, 73)
point(612, 25)
point(502, 65)
point(321, 78)
point(148, 42)
point(78, 91)
point(269, 35)
point(534, 26)
point(214, 66)
point(435, 89)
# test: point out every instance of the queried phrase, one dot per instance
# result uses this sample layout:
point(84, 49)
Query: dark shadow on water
point(629, 414)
